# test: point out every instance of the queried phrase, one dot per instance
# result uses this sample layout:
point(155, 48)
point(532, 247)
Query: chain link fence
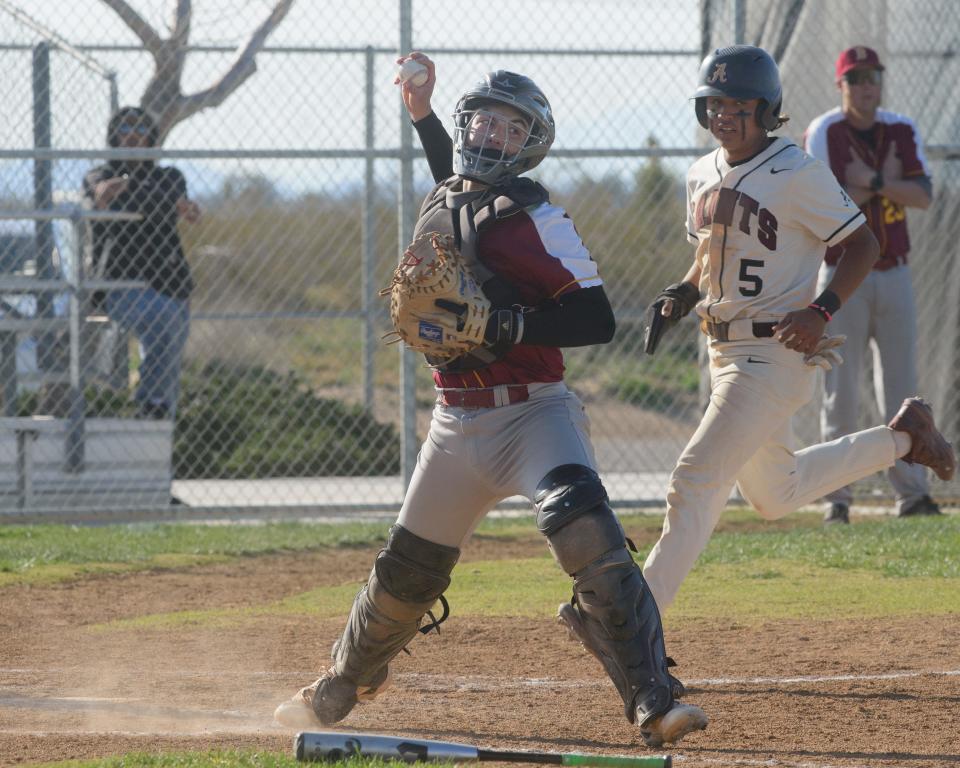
point(307, 178)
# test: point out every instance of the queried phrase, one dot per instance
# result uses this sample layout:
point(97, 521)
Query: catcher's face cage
point(475, 156)
point(741, 72)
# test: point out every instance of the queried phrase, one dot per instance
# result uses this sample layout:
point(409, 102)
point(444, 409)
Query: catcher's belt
point(738, 330)
point(485, 397)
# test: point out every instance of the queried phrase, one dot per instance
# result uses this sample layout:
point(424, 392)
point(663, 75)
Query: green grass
point(48, 553)
point(899, 548)
point(875, 568)
point(887, 547)
point(212, 759)
point(661, 383)
point(746, 592)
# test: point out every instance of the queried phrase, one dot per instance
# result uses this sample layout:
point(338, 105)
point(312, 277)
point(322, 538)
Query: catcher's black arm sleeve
point(438, 146)
point(577, 319)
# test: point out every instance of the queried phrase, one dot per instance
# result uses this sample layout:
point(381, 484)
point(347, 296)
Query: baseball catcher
point(495, 284)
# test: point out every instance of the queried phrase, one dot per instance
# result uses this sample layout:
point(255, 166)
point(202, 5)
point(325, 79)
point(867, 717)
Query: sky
point(316, 99)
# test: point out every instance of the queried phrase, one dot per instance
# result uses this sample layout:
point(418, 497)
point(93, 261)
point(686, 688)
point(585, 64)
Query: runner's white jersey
point(768, 222)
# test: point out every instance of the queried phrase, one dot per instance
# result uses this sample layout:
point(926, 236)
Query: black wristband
point(828, 301)
point(505, 326)
point(691, 294)
point(876, 183)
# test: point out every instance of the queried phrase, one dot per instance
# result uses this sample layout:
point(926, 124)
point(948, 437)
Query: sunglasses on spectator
point(139, 128)
point(862, 76)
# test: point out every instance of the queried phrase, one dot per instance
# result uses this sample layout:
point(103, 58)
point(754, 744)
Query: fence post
point(43, 195)
point(739, 21)
point(74, 453)
point(408, 399)
point(368, 287)
point(8, 371)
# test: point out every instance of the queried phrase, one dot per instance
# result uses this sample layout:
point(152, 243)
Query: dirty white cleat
point(297, 712)
point(673, 725)
point(327, 700)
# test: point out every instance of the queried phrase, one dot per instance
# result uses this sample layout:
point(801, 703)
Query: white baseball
point(413, 71)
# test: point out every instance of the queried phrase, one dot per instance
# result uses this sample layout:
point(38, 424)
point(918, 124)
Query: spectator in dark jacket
point(148, 250)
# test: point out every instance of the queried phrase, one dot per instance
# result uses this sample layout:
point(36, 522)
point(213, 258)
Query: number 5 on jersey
point(750, 281)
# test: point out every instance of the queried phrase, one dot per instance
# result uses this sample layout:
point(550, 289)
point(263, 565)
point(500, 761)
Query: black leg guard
point(616, 619)
point(408, 577)
point(612, 612)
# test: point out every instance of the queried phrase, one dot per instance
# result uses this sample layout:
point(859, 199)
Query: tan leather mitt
point(436, 304)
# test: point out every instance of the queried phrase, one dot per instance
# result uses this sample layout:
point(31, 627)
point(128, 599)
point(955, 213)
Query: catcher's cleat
point(327, 700)
point(673, 725)
point(928, 446)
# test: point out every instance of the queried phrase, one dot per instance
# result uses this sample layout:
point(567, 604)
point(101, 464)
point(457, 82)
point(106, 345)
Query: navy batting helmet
point(741, 72)
point(513, 90)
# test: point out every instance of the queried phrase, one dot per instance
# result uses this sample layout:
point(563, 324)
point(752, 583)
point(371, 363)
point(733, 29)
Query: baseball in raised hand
point(414, 72)
point(416, 77)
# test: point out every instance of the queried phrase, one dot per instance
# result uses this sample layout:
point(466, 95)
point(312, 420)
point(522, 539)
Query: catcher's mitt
point(436, 304)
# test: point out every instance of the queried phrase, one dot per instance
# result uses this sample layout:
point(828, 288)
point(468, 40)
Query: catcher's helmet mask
point(489, 165)
point(741, 72)
point(496, 131)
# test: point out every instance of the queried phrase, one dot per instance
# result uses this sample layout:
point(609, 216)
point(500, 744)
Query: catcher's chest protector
point(451, 211)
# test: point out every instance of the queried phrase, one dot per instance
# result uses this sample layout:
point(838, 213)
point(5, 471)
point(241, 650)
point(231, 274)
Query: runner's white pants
point(745, 437)
point(881, 314)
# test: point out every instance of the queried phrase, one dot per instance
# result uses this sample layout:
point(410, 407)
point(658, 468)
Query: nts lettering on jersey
point(732, 208)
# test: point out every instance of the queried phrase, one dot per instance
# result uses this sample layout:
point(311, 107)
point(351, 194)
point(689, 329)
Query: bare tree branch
point(163, 97)
point(150, 39)
point(243, 67)
point(180, 28)
point(164, 87)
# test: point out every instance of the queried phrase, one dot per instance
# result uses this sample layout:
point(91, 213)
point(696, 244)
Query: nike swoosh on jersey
point(751, 360)
point(779, 170)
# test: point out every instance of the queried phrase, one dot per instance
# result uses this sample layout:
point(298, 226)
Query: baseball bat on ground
point(333, 745)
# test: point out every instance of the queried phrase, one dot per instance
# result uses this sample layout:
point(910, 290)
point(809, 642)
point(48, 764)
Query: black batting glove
point(684, 297)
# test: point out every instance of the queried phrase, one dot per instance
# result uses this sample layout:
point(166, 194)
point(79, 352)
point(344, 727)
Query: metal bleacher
point(56, 457)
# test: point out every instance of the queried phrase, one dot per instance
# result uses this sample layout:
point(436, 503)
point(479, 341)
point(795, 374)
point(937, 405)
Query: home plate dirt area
point(792, 693)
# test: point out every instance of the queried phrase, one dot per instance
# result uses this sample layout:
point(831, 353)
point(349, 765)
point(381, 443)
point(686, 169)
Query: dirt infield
point(781, 694)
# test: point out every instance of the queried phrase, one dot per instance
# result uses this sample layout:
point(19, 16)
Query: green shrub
point(253, 423)
point(250, 422)
point(664, 382)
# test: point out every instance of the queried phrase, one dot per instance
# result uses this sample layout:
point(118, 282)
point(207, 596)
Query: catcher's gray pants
point(474, 458)
point(746, 437)
point(880, 314)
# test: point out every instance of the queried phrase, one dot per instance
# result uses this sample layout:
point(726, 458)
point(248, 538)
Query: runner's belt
point(738, 330)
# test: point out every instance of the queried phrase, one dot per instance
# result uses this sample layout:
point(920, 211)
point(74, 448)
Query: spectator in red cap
point(877, 156)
